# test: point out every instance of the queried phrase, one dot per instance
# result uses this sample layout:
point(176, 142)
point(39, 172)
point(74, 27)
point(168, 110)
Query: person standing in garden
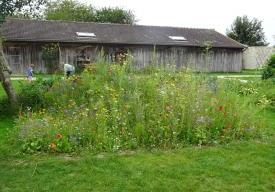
point(68, 70)
point(30, 72)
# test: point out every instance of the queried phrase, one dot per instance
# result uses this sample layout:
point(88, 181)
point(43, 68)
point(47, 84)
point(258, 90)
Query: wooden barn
point(78, 43)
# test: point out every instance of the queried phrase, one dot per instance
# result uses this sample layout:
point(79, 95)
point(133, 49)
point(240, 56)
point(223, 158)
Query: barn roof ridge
point(119, 24)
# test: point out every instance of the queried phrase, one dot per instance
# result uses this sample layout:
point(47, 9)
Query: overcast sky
point(214, 14)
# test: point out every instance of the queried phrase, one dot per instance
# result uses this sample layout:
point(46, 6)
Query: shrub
point(5, 108)
point(32, 95)
point(260, 93)
point(110, 108)
point(271, 61)
point(269, 69)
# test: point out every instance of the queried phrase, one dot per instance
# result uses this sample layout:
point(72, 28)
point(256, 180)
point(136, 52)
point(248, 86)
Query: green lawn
point(243, 72)
point(16, 84)
point(239, 166)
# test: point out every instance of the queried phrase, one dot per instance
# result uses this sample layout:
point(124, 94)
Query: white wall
point(256, 57)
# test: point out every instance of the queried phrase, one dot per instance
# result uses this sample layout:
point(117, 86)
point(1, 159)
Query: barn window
point(85, 34)
point(177, 38)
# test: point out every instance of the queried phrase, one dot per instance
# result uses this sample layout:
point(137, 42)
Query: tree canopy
point(20, 8)
point(248, 32)
point(115, 15)
point(69, 10)
point(72, 10)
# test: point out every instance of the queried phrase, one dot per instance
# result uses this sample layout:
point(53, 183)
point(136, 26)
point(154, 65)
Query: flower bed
point(111, 108)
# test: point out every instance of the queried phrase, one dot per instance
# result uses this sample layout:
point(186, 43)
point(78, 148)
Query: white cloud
point(215, 14)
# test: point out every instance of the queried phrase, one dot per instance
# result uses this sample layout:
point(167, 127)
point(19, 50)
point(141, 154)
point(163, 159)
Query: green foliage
point(269, 69)
point(73, 10)
point(69, 10)
point(20, 8)
point(260, 93)
point(5, 105)
point(114, 15)
point(32, 95)
point(271, 61)
point(111, 108)
point(267, 72)
point(50, 54)
point(188, 169)
point(248, 32)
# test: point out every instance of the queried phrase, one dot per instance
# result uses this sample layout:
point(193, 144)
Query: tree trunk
point(5, 79)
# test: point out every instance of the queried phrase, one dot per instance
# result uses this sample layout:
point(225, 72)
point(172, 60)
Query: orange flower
point(221, 108)
point(52, 146)
point(58, 136)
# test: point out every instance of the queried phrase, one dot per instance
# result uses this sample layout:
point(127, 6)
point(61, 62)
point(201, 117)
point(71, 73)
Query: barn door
point(14, 57)
point(84, 55)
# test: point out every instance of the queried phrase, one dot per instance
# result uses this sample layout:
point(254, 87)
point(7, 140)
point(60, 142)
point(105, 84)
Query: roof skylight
point(177, 38)
point(85, 34)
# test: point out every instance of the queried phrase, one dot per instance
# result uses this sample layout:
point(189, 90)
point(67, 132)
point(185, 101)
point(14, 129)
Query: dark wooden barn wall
point(225, 60)
point(20, 56)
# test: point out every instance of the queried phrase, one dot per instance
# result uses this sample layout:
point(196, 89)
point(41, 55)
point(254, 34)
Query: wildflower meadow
point(115, 107)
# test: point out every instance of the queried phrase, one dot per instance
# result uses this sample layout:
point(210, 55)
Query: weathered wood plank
point(226, 60)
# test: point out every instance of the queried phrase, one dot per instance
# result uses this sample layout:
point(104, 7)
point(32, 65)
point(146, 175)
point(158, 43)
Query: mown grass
point(243, 72)
point(16, 84)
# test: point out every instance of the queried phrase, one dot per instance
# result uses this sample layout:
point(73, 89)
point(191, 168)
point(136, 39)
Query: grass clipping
point(111, 108)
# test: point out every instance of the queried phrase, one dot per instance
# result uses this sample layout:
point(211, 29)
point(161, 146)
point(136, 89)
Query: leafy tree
point(69, 10)
point(72, 10)
point(115, 15)
point(9, 8)
point(20, 8)
point(248, 32)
